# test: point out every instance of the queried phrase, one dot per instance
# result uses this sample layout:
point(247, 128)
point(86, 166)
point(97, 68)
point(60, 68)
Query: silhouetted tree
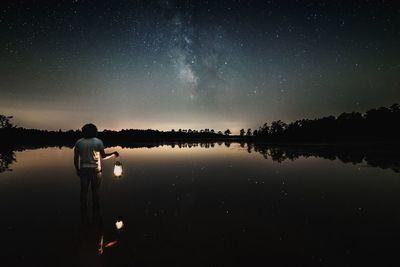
point(248, 132)
point(395, 108)
point(5, 121)
point(6, 159)
point(242, 132)
point(277, 127)
point(227, 132)
point(264, 130)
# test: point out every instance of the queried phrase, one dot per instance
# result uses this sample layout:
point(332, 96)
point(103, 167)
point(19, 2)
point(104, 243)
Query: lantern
point(118, 168)
point(119, 224)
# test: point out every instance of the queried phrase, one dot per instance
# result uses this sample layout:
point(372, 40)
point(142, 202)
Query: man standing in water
point(87, 161)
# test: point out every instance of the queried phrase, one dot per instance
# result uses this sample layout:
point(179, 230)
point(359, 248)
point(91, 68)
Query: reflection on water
point(382, 157)
point(92, 232)
point(216, 204)
point(375, 157)
point(7, 157)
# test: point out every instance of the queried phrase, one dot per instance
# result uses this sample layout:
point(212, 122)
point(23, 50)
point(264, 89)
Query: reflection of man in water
point(87, 154)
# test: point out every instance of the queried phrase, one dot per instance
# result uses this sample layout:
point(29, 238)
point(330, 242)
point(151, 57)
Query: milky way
point(195, 64)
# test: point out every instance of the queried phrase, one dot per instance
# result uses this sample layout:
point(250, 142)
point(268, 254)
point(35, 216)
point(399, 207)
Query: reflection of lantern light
point(118, 168)
point(119, 224)
point(100, 249)
point(110, 244)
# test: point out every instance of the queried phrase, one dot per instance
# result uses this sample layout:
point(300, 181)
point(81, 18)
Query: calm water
point(215, 206)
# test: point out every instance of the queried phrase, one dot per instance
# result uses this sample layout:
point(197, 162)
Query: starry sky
point(195, 64)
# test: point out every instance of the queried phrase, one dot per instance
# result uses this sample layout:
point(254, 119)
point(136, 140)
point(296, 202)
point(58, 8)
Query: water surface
point(208, 205)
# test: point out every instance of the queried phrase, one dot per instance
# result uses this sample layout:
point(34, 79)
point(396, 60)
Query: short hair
point(89, 130)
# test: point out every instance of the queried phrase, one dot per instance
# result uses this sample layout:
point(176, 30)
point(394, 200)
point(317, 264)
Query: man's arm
point(105, 155)
point(76, 159)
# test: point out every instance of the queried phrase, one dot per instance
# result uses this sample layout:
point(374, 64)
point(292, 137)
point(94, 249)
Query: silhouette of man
point(87, 155)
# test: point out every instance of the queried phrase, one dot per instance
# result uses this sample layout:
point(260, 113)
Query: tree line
point(378, 124)
point(13, 136)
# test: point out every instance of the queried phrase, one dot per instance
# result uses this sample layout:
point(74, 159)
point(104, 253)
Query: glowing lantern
point(119, 224)
point(118, 169)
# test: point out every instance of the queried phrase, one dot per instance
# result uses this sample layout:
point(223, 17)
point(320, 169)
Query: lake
point(204, 205)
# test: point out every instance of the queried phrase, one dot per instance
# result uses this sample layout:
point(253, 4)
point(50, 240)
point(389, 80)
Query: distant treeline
point(375, 125)
point(380, 124)
point(18, 137)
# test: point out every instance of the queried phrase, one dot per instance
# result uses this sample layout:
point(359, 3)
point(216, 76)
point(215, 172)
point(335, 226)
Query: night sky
point(195, 64)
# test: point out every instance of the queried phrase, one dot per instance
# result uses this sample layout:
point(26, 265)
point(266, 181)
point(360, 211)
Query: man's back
point(89, 152)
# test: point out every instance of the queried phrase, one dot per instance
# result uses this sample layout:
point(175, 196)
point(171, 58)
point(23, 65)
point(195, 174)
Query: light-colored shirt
point(89, 152)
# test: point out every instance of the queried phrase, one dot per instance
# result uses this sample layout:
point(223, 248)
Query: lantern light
point(119, 224)
point(118, 168)
point(100, 249)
